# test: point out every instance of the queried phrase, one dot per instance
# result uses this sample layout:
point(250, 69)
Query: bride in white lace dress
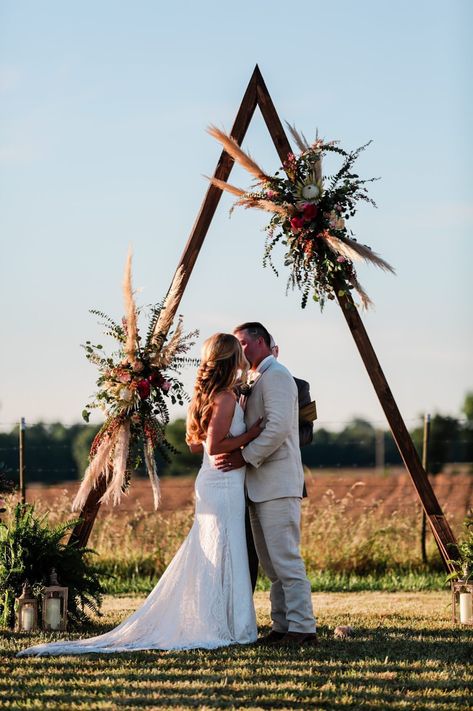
point(204, 598)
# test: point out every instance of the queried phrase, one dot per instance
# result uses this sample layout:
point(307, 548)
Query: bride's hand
point(256, 428)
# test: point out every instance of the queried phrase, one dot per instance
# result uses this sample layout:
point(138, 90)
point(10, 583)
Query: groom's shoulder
point(279, 370)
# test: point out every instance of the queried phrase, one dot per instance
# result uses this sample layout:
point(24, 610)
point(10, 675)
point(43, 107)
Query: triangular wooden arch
point(257, 95)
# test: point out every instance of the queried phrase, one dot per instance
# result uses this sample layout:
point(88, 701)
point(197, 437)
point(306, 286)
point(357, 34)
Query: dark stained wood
point(439, 525)
point(257, 94)
point(81, 532)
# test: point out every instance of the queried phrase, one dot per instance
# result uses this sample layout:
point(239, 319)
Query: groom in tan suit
point(274, 482)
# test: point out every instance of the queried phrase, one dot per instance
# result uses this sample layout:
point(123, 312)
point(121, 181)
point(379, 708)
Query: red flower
point(297, 223)
point(156, 378)
point(310, 211)
point(144, 389)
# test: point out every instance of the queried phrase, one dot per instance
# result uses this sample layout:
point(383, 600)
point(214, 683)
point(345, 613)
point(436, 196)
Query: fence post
point(22, 460)
point(379, 451)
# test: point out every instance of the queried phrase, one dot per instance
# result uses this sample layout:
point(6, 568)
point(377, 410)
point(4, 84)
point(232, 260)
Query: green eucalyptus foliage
point(464, 564)
point(29, 549)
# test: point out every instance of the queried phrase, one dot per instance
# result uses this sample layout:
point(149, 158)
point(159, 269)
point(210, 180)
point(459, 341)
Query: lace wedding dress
point(204, 598)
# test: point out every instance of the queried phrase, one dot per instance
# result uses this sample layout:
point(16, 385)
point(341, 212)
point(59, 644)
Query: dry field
point(355, 522)
point(389, 492)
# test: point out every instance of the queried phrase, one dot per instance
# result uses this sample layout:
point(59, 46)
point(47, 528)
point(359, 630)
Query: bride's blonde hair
point(222, 358)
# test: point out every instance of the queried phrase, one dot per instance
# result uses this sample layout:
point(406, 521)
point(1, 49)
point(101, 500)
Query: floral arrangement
point(309, 214)
point(133, 387)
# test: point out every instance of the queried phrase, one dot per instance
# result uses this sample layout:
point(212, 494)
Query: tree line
point(55, 453)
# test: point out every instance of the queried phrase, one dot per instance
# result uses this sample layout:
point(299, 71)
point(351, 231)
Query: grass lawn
point(405, 654)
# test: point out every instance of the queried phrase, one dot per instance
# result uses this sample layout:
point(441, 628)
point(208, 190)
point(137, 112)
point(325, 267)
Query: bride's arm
point(218, 441)
point(196, 447)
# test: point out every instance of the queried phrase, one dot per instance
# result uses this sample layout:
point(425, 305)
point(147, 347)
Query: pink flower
point(123, 377)
point(165, 386)
point(341, 259)
point(297, 223)
point(310, 211)
point(144, 389)
point(270, 194)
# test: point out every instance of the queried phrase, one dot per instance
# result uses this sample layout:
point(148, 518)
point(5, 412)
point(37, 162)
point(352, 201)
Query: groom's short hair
point(255, 329)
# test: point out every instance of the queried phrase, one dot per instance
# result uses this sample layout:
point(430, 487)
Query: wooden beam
point(440, 527)
point(257, 94)
point(438, 523)
point(81, 533)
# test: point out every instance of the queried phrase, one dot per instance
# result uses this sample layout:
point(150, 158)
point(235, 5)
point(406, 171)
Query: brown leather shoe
point(297, 639)
point(272, 638)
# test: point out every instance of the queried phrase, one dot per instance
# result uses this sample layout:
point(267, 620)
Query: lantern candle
point(53, 613)
point(27, 618)
point(466, 608)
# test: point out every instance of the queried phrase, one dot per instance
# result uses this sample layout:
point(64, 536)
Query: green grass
point(123, 578)
point(404, 655)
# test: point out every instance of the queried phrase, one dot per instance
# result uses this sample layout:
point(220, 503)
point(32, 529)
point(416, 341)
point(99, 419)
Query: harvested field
point(387, 492)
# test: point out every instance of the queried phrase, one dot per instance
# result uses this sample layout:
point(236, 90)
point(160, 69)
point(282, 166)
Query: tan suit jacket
point(274, 468)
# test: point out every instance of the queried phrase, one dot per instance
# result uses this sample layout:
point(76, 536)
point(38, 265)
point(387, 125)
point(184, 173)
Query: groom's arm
point(280, 399)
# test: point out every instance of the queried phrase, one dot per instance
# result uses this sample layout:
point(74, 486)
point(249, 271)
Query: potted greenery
point(460, 577)
point(29, 549)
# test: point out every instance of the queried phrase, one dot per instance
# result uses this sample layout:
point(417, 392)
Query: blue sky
point(103, 109)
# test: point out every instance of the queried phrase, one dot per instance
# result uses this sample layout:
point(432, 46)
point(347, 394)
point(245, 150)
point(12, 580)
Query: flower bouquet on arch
point(134, 386)
point(309, 214)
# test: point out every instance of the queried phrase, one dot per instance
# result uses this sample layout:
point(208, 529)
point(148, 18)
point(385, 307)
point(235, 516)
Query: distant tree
point(467, 408)
point(444, 442)
point(354, 446)
point(184, 462)
point(467, 429)
point(81, 446)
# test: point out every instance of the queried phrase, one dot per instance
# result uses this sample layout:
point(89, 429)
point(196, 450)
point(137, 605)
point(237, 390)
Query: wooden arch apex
point(257, 94)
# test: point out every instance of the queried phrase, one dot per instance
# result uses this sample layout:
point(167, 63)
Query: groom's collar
point(265, 363)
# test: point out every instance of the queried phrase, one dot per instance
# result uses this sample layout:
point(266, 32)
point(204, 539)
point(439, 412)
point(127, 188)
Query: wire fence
point(371, 449)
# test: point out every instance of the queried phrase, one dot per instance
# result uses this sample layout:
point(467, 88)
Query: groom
point(274, 482)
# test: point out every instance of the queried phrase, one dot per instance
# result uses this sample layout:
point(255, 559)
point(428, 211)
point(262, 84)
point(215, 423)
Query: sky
point(103, 110)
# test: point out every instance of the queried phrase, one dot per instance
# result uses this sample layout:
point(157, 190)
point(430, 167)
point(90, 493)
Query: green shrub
point(29, 549)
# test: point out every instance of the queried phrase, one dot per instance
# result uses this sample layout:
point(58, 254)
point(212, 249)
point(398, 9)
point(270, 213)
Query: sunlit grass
point(404, 655)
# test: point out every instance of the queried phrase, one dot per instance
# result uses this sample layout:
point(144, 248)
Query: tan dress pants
point(276, 531)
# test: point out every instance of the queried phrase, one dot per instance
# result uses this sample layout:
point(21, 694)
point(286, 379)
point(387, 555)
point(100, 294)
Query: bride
point(204, 598)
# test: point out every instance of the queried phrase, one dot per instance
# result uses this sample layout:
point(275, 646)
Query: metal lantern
point(26, 611)
point(54, 612)
point(462, 602)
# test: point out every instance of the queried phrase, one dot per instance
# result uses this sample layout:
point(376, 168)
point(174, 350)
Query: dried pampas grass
point(169, 309)
point(120, 456)
point(152, 472)
point(223, 185)
point(299, 138)
point(99, 465)
point(266, 205)
point(130, 313)
point(353, 250)
point(234, 150)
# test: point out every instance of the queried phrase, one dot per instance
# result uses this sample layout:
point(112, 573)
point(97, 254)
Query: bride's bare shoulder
point(225, 397)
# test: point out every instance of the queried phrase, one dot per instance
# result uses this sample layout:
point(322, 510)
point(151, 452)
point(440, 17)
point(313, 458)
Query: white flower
point(310, 191)
point(126, 394)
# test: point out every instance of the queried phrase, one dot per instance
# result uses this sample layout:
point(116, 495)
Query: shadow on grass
point(403, 667)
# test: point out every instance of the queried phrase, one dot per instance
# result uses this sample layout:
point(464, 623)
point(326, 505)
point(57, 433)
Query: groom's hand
point(232, 460)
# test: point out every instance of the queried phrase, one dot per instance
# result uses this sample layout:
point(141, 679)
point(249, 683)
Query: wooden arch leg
point(257, 95)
